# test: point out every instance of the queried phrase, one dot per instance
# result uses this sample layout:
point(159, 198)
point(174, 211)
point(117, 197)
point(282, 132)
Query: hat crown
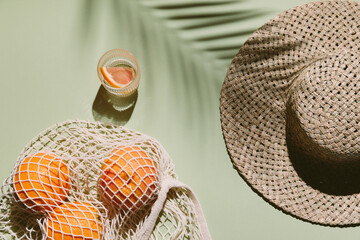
point(325, 100)
point(323, 124)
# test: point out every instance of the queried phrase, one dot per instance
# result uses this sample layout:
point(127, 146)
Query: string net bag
point(290, 112)
point(90, 180)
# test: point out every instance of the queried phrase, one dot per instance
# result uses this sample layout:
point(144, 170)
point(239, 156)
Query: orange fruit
point(41, 181)
point(129, 179)
point(118, 76)
point(74, 221)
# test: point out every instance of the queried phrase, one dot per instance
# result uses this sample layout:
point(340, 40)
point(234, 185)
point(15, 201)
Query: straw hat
point(290, 112)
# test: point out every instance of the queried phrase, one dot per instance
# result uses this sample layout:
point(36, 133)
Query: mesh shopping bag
point(90, 180)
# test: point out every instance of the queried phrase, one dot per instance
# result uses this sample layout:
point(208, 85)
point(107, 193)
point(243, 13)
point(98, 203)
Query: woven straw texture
point(290, 112)
point(89, 180)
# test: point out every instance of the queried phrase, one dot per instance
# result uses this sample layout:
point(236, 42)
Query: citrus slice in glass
point(118, 77)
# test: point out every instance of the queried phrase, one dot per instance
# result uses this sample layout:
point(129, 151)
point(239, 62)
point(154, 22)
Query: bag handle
point(168, 184)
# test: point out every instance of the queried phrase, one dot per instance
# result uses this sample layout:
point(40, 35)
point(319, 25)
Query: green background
point(48, 56)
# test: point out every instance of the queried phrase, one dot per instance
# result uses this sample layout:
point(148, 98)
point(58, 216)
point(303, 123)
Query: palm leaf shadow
point(184, 47)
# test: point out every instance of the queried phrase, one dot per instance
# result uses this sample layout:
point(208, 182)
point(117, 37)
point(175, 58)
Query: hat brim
point(253, 104)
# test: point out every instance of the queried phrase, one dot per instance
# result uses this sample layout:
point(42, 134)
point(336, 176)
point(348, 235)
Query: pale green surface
point(48, 56)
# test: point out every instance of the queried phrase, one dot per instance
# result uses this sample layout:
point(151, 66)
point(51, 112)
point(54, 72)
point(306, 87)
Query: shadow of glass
point(109, 109)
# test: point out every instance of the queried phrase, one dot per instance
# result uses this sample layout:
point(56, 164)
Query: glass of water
point(119, 74)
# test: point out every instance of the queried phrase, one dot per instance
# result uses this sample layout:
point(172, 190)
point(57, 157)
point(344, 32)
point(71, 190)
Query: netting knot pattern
point(89, 180)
